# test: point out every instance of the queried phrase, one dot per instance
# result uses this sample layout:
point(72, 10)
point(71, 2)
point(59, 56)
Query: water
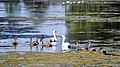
point(86, 22)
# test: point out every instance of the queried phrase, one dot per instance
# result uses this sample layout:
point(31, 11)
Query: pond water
point(98, 23)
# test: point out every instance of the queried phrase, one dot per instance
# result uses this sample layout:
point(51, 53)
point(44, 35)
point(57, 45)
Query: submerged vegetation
point(15, 59)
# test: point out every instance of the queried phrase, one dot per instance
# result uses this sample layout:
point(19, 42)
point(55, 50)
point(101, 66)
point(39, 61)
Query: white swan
point(65, 45)
point(53, 39)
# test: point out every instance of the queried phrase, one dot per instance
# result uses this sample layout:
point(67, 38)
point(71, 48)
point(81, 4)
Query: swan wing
point(53, 43)
point(66, 43)
point(53, 39)
point(65, 46)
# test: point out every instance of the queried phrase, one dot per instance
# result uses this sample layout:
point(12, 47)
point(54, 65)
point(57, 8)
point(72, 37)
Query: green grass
point(72, 59)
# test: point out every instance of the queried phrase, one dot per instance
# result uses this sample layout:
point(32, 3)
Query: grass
point(75, 59)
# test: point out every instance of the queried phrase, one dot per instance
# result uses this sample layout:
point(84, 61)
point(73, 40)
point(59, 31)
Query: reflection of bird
point(53, 39)
point(14, 42)
point(34, 43)
point(45, 44)
point(65, 45)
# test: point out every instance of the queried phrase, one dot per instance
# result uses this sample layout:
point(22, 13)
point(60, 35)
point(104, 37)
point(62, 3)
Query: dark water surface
point(91, 22)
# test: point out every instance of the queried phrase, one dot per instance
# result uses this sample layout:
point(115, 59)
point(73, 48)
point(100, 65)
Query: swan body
point(34, 43)
point(14, 42)
point(44, 44)
point(65, 45)
point(53, 39)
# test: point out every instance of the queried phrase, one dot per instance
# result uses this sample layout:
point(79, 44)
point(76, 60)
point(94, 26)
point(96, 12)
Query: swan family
point(52, 41)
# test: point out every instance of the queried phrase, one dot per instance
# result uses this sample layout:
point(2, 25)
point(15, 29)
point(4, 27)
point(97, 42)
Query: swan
point(34, 43)
point(14, 42)
point(89, 48)
point(79, 48)
point(53, 39)
point(44, 44)
point(65, 45)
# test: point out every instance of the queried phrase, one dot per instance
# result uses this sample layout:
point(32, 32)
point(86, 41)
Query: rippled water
point(90, 22)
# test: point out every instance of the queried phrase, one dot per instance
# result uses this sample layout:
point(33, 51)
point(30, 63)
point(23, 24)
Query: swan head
point(63, 36)
point(54, 31)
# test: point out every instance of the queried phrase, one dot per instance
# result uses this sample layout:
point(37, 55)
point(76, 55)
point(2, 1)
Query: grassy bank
point(75, 59)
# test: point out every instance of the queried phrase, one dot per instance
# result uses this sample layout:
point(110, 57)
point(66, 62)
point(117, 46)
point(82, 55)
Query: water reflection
point(92, 30)
point(93, 21)
point(21, 9)
point(56, 11)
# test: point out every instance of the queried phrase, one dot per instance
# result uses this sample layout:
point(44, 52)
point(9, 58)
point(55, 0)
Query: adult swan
point(65, 45)
point(53, 39)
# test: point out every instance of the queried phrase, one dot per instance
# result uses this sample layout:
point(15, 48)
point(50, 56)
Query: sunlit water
point(87, 28)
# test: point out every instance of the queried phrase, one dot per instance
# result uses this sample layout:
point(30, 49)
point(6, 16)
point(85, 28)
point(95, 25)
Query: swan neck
point(37, 39)
point(54, 35)
point(14, 40)
point(63, 40)
point(30, 39)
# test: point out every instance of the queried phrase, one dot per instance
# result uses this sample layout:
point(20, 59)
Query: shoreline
point(47, 59)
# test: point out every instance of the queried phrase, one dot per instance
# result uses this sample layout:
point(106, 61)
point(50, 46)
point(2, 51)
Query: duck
point(101, 50)
point(65, 45)
point(14, 42)
point(45, 44)
point(89, 48)
point(34, 43)
point(53, 39)
point(79, 48)
point(77, 43)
